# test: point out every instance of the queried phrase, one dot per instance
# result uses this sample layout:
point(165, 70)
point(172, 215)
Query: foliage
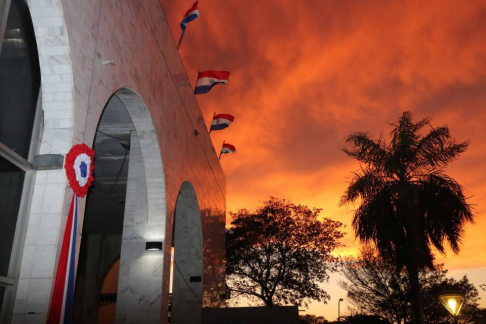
point(481, 316)
point(364, 319)
point(280, 253)
point(407, 204)
point(311, 319)
point(376, 288)
point(435, 312)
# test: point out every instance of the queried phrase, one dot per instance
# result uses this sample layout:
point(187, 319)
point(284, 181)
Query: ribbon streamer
point(62, 297)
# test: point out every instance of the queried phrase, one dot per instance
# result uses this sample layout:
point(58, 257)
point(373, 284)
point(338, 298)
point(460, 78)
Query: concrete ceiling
point(106, 199)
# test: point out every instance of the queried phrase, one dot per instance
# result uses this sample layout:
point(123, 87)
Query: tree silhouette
point(374, 287)
point(436, 313)
point(364, 319)
point(280, 253)
point(407, 204)
point(311, 319)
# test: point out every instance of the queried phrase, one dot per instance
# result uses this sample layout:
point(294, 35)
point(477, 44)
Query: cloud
point(305, 74)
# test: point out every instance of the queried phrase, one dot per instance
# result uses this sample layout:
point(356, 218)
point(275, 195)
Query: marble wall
point(49, 202)
point(74, 38)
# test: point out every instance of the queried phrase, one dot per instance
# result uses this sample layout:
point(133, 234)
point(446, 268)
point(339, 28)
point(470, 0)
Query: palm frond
point(405, 127)
point(362, 185)
point(376, 221)
point(366, 150)
point(446, 210)
point(437, 149)
point(405, 138)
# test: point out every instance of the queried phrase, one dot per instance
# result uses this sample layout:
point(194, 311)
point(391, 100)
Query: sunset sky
point(305, 74)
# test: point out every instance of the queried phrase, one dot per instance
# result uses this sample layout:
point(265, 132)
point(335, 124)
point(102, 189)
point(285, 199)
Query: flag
point(228, 148)
point(190, 15)
point(208, 79)
point(221, 121)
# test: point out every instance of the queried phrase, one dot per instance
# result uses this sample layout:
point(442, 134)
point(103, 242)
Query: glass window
point(2, 292)
point(11, 183)
point(19, 80)
point(19, 94)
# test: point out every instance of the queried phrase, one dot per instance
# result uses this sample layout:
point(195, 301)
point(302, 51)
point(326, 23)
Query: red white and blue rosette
point(79, 168)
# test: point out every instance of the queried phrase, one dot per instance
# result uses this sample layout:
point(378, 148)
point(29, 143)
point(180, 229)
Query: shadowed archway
point(124, 210)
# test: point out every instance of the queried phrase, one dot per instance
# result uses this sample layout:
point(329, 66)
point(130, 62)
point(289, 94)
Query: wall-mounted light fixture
point(153, 246)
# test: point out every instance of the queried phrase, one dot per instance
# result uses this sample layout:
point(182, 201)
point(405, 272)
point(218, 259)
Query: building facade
point(106, 73)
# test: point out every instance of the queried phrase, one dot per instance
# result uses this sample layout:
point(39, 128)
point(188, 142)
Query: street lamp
point(339, 309)
point(453, 302)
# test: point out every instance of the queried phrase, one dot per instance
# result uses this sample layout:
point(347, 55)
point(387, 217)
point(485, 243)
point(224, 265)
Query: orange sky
point(305, 74)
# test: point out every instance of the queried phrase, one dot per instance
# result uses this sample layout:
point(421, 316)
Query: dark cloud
point(469, 98)
point(305, 74)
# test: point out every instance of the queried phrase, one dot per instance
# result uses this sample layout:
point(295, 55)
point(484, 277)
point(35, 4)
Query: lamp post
point(452, 301)
point(339, 309)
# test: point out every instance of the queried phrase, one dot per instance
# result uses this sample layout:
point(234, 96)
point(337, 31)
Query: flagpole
point(211, 124)
point(198, 72)
point(221, 152)
point(180, 41)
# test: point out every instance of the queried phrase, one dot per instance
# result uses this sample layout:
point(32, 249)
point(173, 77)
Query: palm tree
point(407, 204)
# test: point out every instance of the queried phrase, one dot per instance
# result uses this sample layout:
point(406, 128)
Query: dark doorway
point(103, 220)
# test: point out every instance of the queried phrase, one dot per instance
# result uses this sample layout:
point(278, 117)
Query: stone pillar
point(187, 287)
point(140, 277)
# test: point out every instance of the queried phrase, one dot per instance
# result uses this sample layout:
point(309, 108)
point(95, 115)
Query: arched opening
point(105, 209)
point(20, 119)
point(187, 284)
point(123, 212)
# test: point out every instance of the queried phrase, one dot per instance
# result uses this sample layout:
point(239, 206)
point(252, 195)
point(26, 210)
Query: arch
point(126, 206)
point(56, 75)
point(144, 220)
point(149, 145)
point(37, 250)
point(187, 287)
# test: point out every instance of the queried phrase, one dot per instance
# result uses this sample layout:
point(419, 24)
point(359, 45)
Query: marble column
point(140, 277)
point(187, 287)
